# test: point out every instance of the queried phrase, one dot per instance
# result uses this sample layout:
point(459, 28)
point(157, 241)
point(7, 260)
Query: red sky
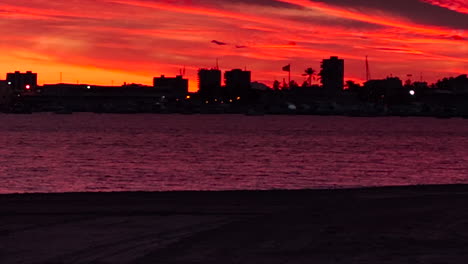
point(105, 41)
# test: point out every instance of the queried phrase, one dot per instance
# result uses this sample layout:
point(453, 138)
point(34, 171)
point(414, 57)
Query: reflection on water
point(91, 152)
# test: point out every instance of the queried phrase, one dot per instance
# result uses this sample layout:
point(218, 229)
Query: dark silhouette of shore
point(420, 224)
point(391, 96)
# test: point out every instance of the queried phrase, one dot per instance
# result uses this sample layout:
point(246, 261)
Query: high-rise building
point(22, 82)
point(209, 82)
point(175, 86)
point(332, 75)
point(237, 82)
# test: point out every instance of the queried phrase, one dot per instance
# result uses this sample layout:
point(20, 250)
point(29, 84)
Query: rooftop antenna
point(217, 63)
point(368, 76)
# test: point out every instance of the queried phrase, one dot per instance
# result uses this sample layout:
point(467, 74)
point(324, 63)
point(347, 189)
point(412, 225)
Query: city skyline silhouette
point(123, 41)
point(234, 131)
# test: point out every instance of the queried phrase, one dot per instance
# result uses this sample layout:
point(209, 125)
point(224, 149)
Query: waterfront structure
point(86, 90)
point(332, 75)
point(209, 82)
point(237, 82)
point(385, 90)
point(22, 82)
point(5, 93)
point(128, 98)
point(171, 86)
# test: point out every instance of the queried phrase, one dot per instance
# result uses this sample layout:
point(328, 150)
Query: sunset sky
point(105, 41)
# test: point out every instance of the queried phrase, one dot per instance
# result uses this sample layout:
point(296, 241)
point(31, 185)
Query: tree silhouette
point(293, 85)
point(310, 73)
point(276, 85)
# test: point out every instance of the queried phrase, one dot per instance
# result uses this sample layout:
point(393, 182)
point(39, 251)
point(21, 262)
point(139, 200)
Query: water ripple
point(88, 152)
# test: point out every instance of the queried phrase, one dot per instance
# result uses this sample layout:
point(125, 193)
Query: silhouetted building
point(386, 90)
point(5, 94)
point(171, 86)
point(22, 82)
point(65, 90)
point(129, 98)
point(332, 75)
point(237, 82)
point(209, 82)
point(86, 90)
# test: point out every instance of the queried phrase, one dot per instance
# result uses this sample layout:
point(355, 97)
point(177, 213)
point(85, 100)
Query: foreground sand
point(386, 225)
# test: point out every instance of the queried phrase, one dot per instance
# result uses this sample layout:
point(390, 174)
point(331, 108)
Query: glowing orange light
point(238, 98)
point(188, 97)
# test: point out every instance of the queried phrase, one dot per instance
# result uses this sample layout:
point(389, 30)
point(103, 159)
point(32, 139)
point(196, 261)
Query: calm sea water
point(92, 152)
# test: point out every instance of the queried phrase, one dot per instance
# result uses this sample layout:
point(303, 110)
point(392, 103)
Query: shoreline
point(438, 115)
point(424, 187)
point(424, 223)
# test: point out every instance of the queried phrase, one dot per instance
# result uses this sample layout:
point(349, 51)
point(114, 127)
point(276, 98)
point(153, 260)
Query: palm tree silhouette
point(310, 73)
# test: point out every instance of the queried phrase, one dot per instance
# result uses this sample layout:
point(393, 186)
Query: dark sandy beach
point(426, 224)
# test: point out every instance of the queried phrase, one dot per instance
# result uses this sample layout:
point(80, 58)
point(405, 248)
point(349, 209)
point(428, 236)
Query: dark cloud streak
point(414, 10)
point(218, 43)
